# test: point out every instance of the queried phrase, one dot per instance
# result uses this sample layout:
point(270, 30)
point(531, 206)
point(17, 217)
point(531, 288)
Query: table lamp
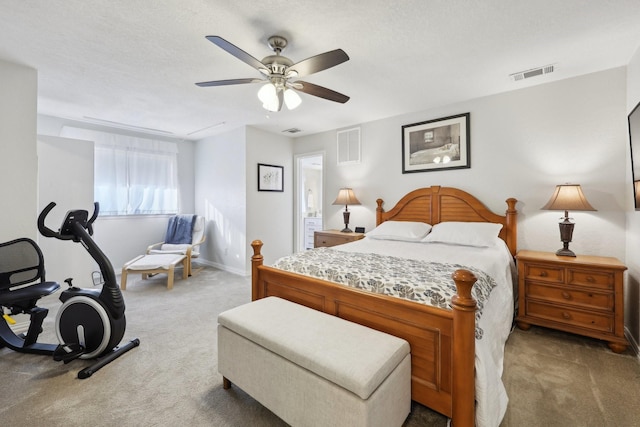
point(346, 197)
point(567, 197)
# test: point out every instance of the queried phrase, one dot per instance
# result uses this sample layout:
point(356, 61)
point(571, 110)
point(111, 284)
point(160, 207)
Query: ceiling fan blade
point(319, 62)
point(238, 53)
point(319, 91)
point(228, 82)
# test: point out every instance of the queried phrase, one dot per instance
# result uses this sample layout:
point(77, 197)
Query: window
point(132, 176)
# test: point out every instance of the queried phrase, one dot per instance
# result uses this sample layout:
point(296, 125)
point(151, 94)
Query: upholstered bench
point(313, 369)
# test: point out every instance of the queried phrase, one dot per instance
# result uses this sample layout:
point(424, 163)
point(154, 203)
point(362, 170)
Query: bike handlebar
point(44, 230)
point(47, 232)
point(96, 210)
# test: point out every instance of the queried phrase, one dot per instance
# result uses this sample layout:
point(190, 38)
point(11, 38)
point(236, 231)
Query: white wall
point(632, 290)
point(523, 143)
point(220, 195)
point(226, 193)
point(65, 177)
point(18, 157)
point(269, 214)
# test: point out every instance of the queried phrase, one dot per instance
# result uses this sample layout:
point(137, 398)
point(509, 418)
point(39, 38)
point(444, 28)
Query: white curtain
point(133, 176)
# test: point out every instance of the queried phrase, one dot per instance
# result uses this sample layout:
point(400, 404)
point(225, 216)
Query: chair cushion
point(174, 248)
point(168, 248)
point(198, 230)
point(154, 261)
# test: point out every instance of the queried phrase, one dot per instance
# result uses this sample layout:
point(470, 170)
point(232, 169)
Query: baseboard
point(223, 267)
point(632, 342)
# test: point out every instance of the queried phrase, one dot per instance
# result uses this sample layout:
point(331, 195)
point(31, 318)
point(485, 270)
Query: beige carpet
point(171, 379)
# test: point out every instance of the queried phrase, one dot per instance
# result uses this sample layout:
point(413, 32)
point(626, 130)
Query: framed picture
point(270, 177)
point(436, 144)
point(634, 139)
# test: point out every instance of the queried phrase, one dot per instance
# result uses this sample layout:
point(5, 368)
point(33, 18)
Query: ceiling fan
point(281, 73)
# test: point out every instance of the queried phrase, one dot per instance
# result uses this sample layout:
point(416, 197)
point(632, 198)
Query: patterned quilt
point(425, 282)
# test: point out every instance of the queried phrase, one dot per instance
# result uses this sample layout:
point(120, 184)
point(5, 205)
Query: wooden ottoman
point(313, 369)
point(154, 264)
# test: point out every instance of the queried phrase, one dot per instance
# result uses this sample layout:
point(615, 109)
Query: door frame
point(298, 233)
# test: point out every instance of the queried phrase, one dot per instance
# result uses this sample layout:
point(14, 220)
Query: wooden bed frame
point(442, 341)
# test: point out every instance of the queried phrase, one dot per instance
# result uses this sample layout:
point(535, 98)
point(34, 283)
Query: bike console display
point(80, 216)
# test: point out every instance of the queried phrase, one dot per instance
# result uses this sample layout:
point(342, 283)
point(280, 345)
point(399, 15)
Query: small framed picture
point(436, 144)
point(270, 177)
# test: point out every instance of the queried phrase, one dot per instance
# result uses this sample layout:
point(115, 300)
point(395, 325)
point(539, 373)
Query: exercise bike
point(89, 324)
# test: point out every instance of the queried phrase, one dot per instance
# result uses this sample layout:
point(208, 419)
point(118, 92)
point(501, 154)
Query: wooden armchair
point(191, 250)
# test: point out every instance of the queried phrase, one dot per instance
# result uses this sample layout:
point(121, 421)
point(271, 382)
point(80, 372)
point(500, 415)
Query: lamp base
point(565, 252)
point(566, 232)
point(345, 216)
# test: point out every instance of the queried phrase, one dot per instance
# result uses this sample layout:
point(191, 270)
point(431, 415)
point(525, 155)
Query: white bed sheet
point(497, 315)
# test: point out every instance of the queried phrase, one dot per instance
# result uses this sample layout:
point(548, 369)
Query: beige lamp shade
point(346, 197)
point(568, 197)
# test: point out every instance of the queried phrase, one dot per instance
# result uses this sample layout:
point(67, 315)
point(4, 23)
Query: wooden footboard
point(442, 341)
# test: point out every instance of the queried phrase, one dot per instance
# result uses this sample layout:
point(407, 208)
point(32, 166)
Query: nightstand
point(581, 295)
point(327, 238)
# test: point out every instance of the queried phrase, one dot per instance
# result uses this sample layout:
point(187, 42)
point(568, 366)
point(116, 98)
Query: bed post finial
point(463, 352)
point(379, 211)
point(256, 261)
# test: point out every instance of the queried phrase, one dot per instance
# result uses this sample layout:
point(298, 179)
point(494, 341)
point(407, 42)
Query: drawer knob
point(590, 279)
point(566, 295)
point(543, 274)
point(566, 315)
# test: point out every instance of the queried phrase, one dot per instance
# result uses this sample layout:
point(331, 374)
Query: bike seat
point(32, 292)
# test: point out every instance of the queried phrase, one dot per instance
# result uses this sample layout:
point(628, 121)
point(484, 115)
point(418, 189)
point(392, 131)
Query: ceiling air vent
point(292, 130)
point(521, 75)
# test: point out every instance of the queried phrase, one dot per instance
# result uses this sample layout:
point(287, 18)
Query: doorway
point(309, 198)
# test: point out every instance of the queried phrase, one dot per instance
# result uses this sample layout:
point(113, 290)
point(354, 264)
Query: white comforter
point(497, 316)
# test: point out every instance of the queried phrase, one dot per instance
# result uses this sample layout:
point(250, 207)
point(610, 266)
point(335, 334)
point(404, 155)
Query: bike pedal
point(67, 352)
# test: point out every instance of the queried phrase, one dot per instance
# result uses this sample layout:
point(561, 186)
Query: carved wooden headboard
point(439, 204)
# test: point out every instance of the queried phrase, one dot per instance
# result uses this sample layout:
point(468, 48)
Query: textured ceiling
point(135, 62)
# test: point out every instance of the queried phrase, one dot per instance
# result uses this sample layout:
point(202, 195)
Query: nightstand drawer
point(574, 297)
point(328, 238)
point(594, 279)
point(544, 273)
point(564, 315)
point(322, 240)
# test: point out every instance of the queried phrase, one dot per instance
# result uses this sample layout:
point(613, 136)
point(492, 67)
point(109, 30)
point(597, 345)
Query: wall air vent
point(292, 130)
point(527, 74)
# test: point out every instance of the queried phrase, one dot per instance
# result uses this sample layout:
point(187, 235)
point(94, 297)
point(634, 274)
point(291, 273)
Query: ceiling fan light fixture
point(291, 99)
point(267, 93)
point(273, 107)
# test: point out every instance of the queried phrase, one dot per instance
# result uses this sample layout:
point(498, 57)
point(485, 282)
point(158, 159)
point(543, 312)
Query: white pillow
point(407, 231)
point(480, 234)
